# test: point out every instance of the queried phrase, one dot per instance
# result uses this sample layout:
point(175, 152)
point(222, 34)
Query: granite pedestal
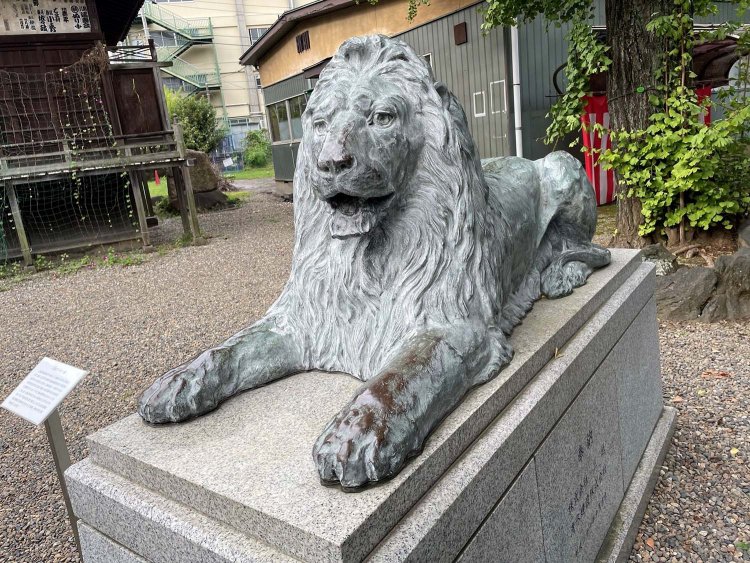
point(553, 460)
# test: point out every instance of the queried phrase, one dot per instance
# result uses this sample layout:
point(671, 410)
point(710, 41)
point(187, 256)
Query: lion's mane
point(428, 264)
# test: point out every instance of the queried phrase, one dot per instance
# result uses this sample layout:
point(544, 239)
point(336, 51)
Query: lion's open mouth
point(351, 205)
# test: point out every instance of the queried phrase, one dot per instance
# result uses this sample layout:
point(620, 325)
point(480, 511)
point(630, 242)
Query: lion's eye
point(320, 126)
point(382, 118)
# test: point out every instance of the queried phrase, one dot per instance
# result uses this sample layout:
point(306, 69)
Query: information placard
point(22, 17)
point(43, 390)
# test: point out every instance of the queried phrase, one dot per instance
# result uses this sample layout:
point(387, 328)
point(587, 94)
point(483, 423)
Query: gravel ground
point(700, 510)
point(129, 325)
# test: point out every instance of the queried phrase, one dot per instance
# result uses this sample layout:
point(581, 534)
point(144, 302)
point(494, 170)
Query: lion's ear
point(447, 100)
point(444, 93)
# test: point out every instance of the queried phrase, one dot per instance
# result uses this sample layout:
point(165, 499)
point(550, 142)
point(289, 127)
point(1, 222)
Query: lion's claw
point(176, 396)
point(359, 446)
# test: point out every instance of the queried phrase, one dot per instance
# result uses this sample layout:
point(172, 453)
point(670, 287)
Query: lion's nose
point(335, 161)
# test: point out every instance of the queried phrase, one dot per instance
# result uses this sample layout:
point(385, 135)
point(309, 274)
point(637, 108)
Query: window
point(257, 80)
point(285, 118)
point(479, 110)
point(278, 117)
point(164, 38)
point(256, 33)
point(238, 128)
point(303, 41)
point(176, 85)
point(296, 108)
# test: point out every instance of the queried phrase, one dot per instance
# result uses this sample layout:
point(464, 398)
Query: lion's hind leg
point(566, 256)
point(571, 269)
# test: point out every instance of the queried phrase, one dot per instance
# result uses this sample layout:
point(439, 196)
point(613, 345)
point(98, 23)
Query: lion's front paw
point(361, 445)
point(177, 395)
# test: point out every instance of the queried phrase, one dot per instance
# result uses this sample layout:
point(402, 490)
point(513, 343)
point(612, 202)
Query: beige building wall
point(328, 31)
point(231, 20)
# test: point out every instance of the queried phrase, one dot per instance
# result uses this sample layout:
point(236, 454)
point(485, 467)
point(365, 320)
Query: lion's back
point(514, 188)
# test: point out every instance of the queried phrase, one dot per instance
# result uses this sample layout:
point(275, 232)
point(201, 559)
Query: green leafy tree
point(684, 173)
point(197, 117)
point(672, 170)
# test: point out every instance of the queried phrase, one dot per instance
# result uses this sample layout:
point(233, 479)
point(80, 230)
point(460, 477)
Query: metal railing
point(198, 77)
point(193, 28)
point(169, 52)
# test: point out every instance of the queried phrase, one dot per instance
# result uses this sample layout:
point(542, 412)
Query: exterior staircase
point(198, 78)
point(189, 32)
point(193, 29)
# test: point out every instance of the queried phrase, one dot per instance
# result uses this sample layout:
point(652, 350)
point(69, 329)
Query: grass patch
point(606, 222)
point(238, 198)
point(160, 190)
point(12, 273)
point(251, 173)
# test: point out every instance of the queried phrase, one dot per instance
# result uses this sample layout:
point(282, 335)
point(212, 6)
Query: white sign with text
point(43, 390)
point(23, 17)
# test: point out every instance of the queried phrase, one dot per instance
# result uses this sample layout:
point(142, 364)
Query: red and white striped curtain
point(596, 112)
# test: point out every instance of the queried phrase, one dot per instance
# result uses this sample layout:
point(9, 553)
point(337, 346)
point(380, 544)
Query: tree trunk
point(635, 55)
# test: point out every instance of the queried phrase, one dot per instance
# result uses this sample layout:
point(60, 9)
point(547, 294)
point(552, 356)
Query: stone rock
point(663, 259)
point(211, 200)
point(537, 454)
point(204, 177)
point(732, 299)
point(203, 174)
point(683, 295)
point(743, 233)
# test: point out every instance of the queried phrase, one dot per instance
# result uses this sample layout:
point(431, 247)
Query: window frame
point(250, 33)
point(288, 106)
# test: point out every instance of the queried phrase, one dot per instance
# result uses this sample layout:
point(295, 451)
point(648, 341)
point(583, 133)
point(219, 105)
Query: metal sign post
point(36, 399)
point(61, 456)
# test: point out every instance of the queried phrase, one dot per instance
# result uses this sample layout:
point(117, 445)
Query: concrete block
point(98, 548)
point(202, 491)
point(635, 360)
point(579, 470)
point(513, 530)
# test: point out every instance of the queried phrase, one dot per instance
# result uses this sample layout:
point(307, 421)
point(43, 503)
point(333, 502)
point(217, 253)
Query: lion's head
point(364, 130)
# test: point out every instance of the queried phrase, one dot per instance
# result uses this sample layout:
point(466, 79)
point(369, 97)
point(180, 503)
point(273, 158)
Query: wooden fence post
point(187, 185)
point(18, 222)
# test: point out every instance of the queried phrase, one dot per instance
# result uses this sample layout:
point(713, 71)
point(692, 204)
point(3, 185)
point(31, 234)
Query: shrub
point(256, 158)
point(197, 117)
point(257, 148)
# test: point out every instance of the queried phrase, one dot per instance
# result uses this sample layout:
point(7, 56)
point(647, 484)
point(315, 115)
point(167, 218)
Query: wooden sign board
point(43, 390)
point(30, 17)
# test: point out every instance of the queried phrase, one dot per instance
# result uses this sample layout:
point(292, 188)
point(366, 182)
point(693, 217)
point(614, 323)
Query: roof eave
point(124, 33)
point(286, 21)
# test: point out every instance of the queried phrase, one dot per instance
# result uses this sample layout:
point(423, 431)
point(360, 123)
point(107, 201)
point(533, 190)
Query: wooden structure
point(82, 122)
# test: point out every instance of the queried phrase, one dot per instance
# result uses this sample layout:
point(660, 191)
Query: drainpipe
point(252, 88)
point(516, 66)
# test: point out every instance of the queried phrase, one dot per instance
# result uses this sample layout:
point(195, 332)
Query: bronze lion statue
point(412, 263)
